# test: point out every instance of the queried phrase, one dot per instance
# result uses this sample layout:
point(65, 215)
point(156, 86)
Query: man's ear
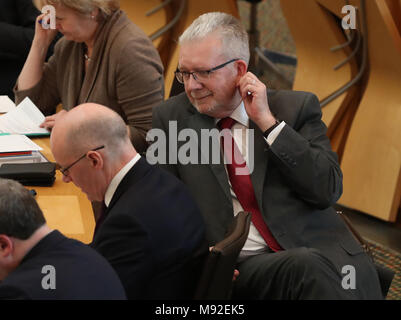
point(6, 246)
point(242, 68)
point(96, 159)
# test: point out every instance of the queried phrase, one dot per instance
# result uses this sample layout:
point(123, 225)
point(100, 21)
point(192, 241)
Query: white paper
point(16, 143)
point(24, 119)
point(6, 104)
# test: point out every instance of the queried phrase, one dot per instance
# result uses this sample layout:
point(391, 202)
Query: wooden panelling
point(371, 124)
point(314, 40)
point(136, 10)
point(372, 157)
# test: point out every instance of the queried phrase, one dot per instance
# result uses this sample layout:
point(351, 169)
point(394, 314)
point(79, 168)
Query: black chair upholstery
point(385, 274)
point(216, 279)
point(176, 88)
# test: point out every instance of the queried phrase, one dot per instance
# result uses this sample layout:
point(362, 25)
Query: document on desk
point(6, 104)
point(24, 119)
point(17, 143)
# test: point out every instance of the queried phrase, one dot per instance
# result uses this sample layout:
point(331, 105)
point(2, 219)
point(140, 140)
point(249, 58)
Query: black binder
point(30, 174)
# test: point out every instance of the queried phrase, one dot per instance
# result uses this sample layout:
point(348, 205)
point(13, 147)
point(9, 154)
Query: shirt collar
point(239, 115)
point(111, 189)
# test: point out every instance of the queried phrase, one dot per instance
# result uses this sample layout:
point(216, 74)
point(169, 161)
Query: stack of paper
point(17, 143)
point(23, 119)
point(19, 149)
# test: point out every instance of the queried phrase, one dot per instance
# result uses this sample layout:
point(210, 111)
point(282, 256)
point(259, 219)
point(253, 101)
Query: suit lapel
point(133, 176)
point(260, 159)
point(198, 122)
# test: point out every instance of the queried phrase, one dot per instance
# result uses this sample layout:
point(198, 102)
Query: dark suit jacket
point(153, 235)
point(80, 273)
point(296, 180)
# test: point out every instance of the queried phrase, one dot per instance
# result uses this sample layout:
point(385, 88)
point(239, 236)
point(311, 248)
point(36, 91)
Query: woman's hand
point(43, 36)
point(50, 121)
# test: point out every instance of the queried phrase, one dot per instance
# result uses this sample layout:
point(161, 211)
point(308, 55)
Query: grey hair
point(20, 215)
point(235, 42)
point(107, 129)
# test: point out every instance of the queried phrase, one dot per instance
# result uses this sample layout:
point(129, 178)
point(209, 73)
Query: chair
point(386, 275)
point(217, 276)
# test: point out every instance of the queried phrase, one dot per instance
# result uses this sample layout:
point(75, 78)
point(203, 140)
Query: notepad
point(6, 104)
point(23, 119)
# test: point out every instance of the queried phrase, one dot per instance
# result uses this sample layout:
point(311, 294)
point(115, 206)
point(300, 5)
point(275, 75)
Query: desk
point(65, 206)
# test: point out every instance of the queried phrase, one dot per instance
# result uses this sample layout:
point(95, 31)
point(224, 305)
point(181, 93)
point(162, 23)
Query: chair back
point(217, 276)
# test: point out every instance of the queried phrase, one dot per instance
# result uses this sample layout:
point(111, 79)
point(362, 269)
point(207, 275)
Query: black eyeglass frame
point(64, 170)
point(181, 74)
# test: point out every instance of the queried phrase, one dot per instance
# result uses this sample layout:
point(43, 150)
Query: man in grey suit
point(298, 247)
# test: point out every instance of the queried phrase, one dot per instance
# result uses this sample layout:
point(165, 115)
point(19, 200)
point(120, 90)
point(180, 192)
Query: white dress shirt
point(111, 189)
point(240, 130)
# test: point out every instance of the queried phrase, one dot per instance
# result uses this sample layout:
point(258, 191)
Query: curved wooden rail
point(371, 161)
point(136, 11)
point(372, 157)
point(316, 61)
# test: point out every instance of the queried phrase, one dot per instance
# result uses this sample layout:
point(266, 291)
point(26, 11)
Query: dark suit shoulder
point(10, 292)
point(289, 96)
point(175, 107)
point(71, 264)
point(287, 105)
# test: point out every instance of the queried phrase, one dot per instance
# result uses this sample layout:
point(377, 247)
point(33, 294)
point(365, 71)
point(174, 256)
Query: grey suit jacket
point(296, 180)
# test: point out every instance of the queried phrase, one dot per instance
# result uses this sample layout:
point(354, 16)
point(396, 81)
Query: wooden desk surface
point(66, 207)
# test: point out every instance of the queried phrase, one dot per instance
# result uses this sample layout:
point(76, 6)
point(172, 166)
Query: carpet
point(392, 260)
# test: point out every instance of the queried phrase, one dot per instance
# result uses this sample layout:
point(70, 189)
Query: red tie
point(241, 182)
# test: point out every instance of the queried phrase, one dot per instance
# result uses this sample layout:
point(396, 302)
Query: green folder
point(31, 135)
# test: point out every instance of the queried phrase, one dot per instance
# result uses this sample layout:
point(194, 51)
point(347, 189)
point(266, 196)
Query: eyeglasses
point(64, 171)
point(202, 75)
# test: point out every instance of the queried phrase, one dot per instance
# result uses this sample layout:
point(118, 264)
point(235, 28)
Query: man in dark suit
point(151, 230)
point(281, 168)
point(39, 263)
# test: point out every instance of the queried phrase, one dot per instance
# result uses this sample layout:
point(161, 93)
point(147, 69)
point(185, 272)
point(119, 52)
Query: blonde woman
point(103, 58)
